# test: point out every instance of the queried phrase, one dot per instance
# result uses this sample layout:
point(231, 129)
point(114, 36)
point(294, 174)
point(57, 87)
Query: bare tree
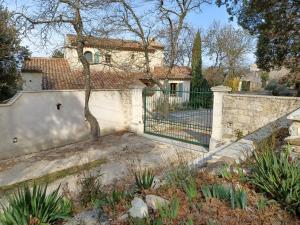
point(77, 15)
point(227, 47)
point(173, 15)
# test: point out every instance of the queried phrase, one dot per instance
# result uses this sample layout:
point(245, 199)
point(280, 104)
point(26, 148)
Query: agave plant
point(276, 175)
point(144, 179)
point(35, 207)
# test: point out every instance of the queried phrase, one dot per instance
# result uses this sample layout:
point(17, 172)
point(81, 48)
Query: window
point(108, 58)
point(97, 58)
point(176, 89)
point(89, 57)
point(173, 89)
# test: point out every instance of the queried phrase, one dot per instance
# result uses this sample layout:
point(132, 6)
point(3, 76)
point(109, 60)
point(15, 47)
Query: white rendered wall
point(31, 121)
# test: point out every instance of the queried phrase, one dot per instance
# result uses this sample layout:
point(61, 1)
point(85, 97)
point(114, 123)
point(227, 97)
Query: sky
point(200, 20)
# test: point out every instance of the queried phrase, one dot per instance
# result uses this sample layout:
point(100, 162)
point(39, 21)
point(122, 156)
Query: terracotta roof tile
point(114, 43)
point(57, 75)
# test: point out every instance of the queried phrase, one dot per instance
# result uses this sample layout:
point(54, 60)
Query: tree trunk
point(94, 125)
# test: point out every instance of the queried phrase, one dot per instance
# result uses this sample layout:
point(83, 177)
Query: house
point(252, 81)
point(114, 63)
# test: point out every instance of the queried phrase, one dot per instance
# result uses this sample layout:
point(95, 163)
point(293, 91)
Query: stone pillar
point(294, 130)
point(136, 124)
point(217, 117)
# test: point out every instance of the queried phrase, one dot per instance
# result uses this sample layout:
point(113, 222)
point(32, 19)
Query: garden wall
point(247, 113)
point(35, 121)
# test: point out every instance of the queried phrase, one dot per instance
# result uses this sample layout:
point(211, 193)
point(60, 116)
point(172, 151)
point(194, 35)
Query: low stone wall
point(35, 121)
point(244, 114)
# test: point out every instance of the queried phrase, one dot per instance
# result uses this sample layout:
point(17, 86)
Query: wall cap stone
point(264, 96)
point(295, 115)
point(221, 88)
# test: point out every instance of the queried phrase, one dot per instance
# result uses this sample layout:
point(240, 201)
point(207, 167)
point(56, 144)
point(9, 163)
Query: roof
point(57, 75)
point(118, 44)
point(177, 73)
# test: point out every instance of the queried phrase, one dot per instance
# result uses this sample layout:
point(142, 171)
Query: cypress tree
point(197, 77)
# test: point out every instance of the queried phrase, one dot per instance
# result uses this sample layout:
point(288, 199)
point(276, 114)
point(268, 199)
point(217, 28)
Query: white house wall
point(32, 81)
point(120, 59)
point(32, 122)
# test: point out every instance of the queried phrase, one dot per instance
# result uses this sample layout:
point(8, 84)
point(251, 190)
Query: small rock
point(123, 217)
point(90, 217)
point(139, 208)
point(154, 201)
point(157, 183)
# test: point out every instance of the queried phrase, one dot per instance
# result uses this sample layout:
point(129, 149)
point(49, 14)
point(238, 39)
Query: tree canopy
point(197, 77)
point(276, 24)
point(9, 48)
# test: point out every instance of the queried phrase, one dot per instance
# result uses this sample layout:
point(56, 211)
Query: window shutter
point(97, 57)
point(180, 90)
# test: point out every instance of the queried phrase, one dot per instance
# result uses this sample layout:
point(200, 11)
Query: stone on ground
point(139, 208)
point(154, 201)
point(90, 217)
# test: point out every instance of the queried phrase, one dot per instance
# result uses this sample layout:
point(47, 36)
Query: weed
point(261, 203)
point(90, 189)
point(238, 134)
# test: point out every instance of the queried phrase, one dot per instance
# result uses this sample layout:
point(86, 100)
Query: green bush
point(201, 99)
point(274, 174)
point(237, 198)
point(28, 207)
point(144, 179)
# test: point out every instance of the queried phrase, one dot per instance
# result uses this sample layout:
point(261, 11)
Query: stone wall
point(35, 121)
point(247, 113)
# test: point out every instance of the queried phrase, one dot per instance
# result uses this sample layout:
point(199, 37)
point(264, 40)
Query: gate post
point(217, 117)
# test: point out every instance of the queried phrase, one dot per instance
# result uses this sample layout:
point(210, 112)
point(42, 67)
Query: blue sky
point(201, 20)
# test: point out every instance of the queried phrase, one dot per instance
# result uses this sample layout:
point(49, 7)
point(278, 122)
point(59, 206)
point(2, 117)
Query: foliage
point(264, 78)
point(238, 134)
point(224, 172)
point(169, 211)
point(90, 189)
point(179, 176)
point(278, 89)
point(214, 76)
point(190, 189)
point(57, 53)
point(233, 83)
point(276, 23)
point(245, 85)
point(271, 85)
point(28, 207)
point(197, 77)
point(10, 54)
point(201, 98)
point(274, 174)
point(144, 179)
point(261, 203)
point(111, 199)
point(236, 197)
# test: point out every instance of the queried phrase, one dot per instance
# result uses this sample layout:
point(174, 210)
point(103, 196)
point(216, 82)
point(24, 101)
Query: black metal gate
point(181, 115)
